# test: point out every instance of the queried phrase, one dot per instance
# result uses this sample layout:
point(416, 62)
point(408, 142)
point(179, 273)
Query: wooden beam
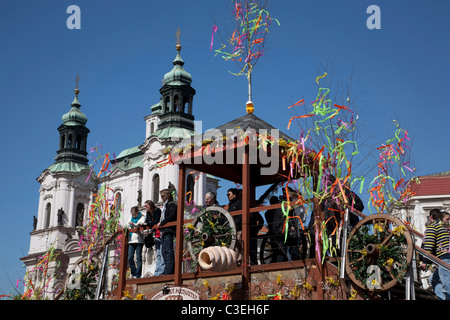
point(123, 265)
point(230, 172)
point(180, 222)
point(246, 224)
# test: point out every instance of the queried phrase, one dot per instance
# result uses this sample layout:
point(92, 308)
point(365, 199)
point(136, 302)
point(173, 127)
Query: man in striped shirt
point(437, 243)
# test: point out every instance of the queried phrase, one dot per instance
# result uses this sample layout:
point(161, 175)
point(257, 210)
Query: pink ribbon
point(214, 30)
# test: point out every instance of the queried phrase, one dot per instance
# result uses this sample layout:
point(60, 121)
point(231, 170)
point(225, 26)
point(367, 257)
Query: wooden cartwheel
point(379, 252)
point(214, 226)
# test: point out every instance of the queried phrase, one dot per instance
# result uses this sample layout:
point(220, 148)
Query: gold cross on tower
point(178, 46)
point(178, 35)
point(76, 88)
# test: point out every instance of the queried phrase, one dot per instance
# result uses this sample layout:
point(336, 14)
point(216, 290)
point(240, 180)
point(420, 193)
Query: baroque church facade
point(67, 187)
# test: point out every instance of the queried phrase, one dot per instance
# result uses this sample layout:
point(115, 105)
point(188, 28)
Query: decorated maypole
point(246, 44)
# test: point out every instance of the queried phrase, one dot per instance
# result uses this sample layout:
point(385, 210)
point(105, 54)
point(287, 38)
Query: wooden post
point(123, 265)
point(246, 224)
point(180, 222)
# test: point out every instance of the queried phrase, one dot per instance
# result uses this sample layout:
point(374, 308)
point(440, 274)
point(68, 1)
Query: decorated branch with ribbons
point(323, 173)
point(46, 266)
point(246, 43)
point(326, 172)
point(392, 185)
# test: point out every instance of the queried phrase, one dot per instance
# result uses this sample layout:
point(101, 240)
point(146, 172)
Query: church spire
point(178, 60)
point(75, 102)
point(178, 46)
point(177, 95)
point(178, 76)
point(73, 133)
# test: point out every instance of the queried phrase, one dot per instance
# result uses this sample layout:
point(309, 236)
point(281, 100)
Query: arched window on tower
point(190, 188)
point(117, 203)
point(167, 105)
point(176, 103)
point(183, 106)
point(190, 105)
point(48, 211)
point(152, 127)
point(62, 141)
point(78, 143)
point(155, 182)
point(79, 216)
point(69, 142)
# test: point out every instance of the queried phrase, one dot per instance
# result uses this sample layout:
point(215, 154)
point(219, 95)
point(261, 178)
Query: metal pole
point(433, 258)
point(413, 271)
point(344, 237)
point(249, 83)
point(102, 272)
point(408, 284)
point(344, 245)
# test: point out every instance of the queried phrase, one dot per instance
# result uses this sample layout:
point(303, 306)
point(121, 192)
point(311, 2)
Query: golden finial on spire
point(178, 46)
point(76, 88)
point(249, 107)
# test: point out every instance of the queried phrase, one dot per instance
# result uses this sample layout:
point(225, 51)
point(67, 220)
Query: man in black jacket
point(168, 214)
point(275, 222)
point(235, 204)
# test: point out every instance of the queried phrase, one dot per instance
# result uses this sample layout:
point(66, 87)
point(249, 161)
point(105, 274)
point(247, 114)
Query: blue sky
point(124, 48)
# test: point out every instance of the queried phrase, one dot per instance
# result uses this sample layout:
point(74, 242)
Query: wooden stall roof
point(250, 121)
point(232, 170)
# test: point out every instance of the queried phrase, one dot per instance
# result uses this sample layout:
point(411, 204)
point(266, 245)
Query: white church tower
point(136, 175)
point(171, 121)
point(64, 195)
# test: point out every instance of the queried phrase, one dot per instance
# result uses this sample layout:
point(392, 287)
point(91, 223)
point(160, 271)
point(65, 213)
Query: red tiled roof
point(432, 185)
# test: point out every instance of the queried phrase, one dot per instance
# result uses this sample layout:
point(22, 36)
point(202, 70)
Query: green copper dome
point(157, 107)
point(177, 76)
point(74, 117)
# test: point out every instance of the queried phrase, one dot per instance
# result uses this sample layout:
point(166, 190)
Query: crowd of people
point(289, 239)
point(156, 218)
point(163, 235)
point(287, 244)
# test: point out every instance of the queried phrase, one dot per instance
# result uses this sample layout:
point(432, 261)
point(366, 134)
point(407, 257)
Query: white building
point(433, 191)
point(66, 193)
